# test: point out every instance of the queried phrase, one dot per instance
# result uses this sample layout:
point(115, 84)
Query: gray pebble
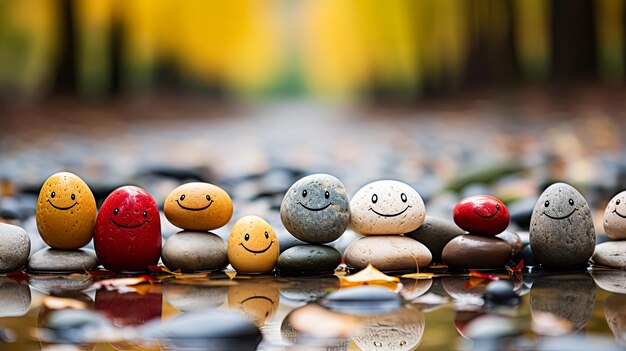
point(610, 254)
point(62, 261)
point(435, 233)
point(387, 253)
point(194, 251)
point(610, 280)
point(14, 247)
point(561, 228)
point(308, 260)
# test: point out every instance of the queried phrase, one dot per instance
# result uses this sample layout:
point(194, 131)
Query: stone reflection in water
point(130, 308)
point(464, 318)
point(400, 330)
point(257, 299)
point(58, 283)
point(568, 296)
point(464, 287)
point(298, 292)
point(14, 298)
point(187, 297)
point(414, 288)
point(612, 281)
point(615, 312)
point(313, 327)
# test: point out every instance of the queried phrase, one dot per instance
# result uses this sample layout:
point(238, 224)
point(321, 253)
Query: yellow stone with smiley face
point(66, 212)
point(253, 246)
point(198, 206)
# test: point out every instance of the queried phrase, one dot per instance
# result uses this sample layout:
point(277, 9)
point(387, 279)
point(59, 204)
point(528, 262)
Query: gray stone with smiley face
point(561, 228)
point(316, 209)
point(615, 217)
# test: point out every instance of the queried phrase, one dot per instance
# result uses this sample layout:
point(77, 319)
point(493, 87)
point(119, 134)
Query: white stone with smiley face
point(615, 217)
point(386, 207)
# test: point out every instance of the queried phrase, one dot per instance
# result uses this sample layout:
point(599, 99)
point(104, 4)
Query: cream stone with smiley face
point(615, 217)
point(386, 207)
point(253, 246)
point(66, 212)
point(198, 206)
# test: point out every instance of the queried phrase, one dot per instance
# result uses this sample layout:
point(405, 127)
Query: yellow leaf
point(369, 275)
point(419, 275)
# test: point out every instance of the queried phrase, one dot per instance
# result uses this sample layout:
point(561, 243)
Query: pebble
point(258, 300)
point(615, 312)
point(66, 212)
point(62, 261)
point(610, 280)
point(500, 292)
point(387, 253)
point(48, 285)
point(611, 254)
point(386, 207)
point(363, 300)
point(14, 248)
point(73, 326)
point(194, 251)
point(198, 206)
point(188, 298)
point(481, 214)
point(476, 252)
point(435, 233)
point(14, 298)
point(569, 296)
point(615, 217)
point(517, 244)
point(129, 308)
point(127, 235)
point(402, 330)
point(316, 209)
point(308, 260)
point(253, 246)
point(562, 235)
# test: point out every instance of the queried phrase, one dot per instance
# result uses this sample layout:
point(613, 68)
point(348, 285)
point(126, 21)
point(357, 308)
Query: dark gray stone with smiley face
point(561, 228)
point(316, 209)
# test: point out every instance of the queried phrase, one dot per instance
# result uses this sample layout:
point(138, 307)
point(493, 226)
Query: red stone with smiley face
point(482, 214)
point(127, 235)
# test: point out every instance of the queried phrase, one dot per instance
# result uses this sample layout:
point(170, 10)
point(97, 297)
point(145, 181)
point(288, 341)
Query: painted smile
point(619, 214)
point(315, 209)
point(129, 226)
point(62, 208)
point(194, 209)
point(259, 251)
point(390, 215)
point(258, 297)
point(559, 218)
point(490, 216)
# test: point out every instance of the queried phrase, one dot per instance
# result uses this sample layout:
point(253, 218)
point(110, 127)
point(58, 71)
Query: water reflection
point(257, 299)
point(58, 283)
point(612, 281)
point(401, 330)
point(313, 327)
point(615, 312)
point(414, 288)
point(187, 297)
point(297, 292)
point(14, 297)
point(129, 308)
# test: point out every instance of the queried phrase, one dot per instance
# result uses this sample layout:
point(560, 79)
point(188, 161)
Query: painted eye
point(208, 198)
point(547, 203)
point(182, 197)
point(617, 202)
point(116, 211)
point(571, 202)
point(267, 235)
point(374, 198)
point(53, 194)
point(145, 213)
point(327, 194)
point(304, 192)
point(378, 344)
point(403, 197)
point(73, 197)
point(247, 237)
point(497, 207)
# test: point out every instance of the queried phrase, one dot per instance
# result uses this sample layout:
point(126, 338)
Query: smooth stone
point(610, 280)
point(402, 330)
point(513, 239)
point(476, 252)
point(61, 261)
point(386, 207)
point(14, 247)
point(615, 313)
point(346, 239)
point(194, 251)
point(73, 326)
point(198, 206)
point(562, 235)
point(253, 246)
point(500, 292)
point(615, 217)
point(189, 298)
point(308, 260)
point(387, 253)
point(14, 298)
point(482, 214)
point(49, 284)
point(316, 209)
point(363, 300)
point(435, 233)
point(610, 254)
point(568, 296)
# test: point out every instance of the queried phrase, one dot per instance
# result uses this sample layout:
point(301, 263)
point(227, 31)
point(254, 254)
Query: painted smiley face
point(198, 206)
point(66, 211)
point(615, 217)
point(257, 301)
point(253, 246)
point(386, 207)
point(482, 214)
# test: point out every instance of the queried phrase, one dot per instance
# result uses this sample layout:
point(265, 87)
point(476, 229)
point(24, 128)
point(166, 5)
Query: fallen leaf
point(177, 273)
point(419, 275)
point(18, 276)
point(59, 303)
point(368, 276)
point(478, 278)
point(125, 284)
point(547, 324)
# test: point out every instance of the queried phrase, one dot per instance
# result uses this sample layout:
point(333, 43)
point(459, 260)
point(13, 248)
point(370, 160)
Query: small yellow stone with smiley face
point(66, 212)
point(253, 246)
point(198, 206)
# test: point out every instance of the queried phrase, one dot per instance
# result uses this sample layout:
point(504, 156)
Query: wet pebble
point(14, 247)
point(501, 292)
point(387, 253)
point(435, 233)
point(476, 252)
point(482, 214)
point(308, 260)
point(62, 261)
point(615, 217)
point(513, 239)
point(194, 251)
point(611, 254)
point(363, 300)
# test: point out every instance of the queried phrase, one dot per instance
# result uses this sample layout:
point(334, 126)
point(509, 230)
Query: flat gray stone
point(14, 248)
point(62, 261)
point(387, 253)
point(435, 233)
point(610, 254)
point(610, 280)
point(195, 251)
point(308, 260)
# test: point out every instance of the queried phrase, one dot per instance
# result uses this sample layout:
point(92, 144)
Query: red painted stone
point(482, 214)
point(127, 235)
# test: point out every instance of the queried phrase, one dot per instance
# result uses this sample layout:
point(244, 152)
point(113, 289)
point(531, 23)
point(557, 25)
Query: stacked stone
point(613, 253)
point(66, 216)
point(253, 246)
point(197, 208)
point(383, 211)
point(483, 217)
point(316, 210)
